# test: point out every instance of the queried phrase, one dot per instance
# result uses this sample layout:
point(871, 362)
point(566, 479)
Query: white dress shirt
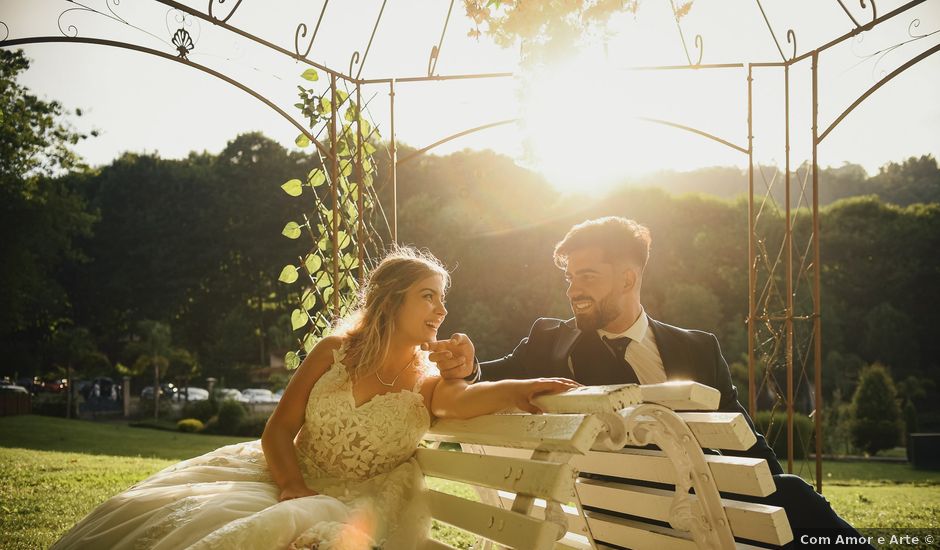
point(642, 353)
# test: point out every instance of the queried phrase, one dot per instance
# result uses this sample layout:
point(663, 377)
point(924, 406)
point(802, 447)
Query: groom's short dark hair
point(619, 238)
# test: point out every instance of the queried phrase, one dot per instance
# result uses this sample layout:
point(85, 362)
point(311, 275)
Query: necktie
point(619, 348)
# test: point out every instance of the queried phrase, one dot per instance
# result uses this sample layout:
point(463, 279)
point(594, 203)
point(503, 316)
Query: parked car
point(259, 395)
point(231, 394)
point(195, 394)
point(13, 388)
point(166, 390)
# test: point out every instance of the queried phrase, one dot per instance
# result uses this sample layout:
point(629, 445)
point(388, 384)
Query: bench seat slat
point(541, 479)
point(567, 433)
point(757, 522)
point(500, 526)
point(643, 535)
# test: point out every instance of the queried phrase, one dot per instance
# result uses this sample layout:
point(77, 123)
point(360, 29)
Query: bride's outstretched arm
point(458, 399)
point(277, 441)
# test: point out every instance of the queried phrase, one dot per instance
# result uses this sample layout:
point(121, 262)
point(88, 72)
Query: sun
point(577, 123)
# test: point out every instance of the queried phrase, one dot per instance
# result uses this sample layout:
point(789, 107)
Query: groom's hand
point(454, 356)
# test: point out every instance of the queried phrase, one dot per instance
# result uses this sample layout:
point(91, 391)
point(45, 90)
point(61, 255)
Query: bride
point(334, 467)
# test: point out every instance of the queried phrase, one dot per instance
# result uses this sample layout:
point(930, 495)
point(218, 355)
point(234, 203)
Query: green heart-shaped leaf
point(288, 274)
point(309, 342)
point(293, 187)
point(313, 262)
point(309, 300)
point(291, 230)
point(311, 75)
point(298, 319)
point(291, 360)
point(316, 178)
point(302, 141)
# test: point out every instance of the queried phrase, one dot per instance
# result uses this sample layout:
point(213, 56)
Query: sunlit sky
point(580, 116)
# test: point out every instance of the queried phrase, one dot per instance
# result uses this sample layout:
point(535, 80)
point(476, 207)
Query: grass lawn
point(54, 471)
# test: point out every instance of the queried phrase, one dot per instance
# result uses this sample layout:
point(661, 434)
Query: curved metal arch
point(697, 132)
point(124, 45)
point(879, 84)
point(452, 137)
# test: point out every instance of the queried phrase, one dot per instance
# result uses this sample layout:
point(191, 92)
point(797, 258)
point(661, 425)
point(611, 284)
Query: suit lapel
point(568, 335)
point(675, 361)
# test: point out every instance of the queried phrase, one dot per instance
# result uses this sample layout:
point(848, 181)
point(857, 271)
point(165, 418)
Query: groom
point(612, 340)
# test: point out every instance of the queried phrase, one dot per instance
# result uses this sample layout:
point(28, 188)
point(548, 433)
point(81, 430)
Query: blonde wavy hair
point(368, 329)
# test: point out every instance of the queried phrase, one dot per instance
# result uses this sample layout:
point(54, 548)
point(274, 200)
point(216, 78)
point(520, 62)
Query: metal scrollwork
point(880, 55)
point(874, 11)
point(354, 60)
point(183, 42)
point(791, 39)
point(4, 31)
point(432, 60)
point(227, 17)
point(650, 423)
point(182, 38)
point(72, 31)
point(700, 46)
point(301, 32)
point(436, 50)
point(699, 42)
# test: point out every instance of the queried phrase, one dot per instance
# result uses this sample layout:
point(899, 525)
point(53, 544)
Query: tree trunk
point(68, 393)
point(156, 389)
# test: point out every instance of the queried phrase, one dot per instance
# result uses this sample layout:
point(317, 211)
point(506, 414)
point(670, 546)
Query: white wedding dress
point(359, 460)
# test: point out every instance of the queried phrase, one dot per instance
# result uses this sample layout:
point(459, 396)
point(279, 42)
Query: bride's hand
point(527, 390)
point(296, 491)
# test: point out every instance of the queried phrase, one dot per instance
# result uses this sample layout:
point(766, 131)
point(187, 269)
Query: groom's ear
point(630, 278)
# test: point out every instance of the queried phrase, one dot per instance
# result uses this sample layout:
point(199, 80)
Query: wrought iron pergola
point(784, 302)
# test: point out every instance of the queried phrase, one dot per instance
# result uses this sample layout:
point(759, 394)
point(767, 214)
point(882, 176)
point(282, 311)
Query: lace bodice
point(339, 439)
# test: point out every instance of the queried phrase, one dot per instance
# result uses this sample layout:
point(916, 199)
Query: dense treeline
point(195, 245)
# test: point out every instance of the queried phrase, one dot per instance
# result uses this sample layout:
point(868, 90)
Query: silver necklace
point(397, 376)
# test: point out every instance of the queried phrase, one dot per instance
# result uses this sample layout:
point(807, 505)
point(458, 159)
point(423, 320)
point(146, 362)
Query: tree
point(876, 422)
point(153, 350)
point(74, 347)
point(40, 216)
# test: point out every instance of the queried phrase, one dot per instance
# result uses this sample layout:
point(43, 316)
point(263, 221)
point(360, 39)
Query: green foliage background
point(197, 244)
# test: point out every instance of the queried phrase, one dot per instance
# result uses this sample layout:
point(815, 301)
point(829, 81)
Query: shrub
point(876, 417)
point(50, 404)
point(145, 408)
point(203, 410)
point(231, 415)
point(190, 425)
point(253, 426)
point(774, 429)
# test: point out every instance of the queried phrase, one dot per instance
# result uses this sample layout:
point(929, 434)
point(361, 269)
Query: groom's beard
point(600, 315)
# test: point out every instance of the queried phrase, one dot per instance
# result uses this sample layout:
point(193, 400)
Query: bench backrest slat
point(529, 477)
point(566, 433)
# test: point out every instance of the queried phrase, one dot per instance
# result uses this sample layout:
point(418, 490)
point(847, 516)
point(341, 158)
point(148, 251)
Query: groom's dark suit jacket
point(686, 355)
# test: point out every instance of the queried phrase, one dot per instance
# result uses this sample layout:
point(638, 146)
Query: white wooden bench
point(571, 466)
